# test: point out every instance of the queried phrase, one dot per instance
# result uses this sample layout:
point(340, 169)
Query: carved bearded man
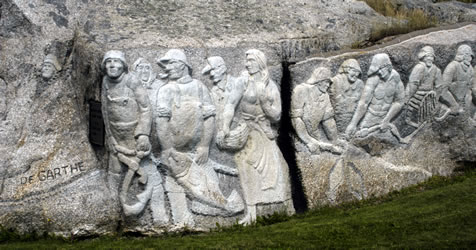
point(127, 117)
point(185, 126)
point(457, 80)
point(382, 99)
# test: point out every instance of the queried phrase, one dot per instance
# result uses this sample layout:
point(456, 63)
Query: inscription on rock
point(54, 173)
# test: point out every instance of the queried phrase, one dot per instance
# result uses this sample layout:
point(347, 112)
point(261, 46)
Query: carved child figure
point(127, 118)
point(185, 126)
point(311, 109)
point(422, 83)
point(457, 80)
point(345, 91)
point(381, 100)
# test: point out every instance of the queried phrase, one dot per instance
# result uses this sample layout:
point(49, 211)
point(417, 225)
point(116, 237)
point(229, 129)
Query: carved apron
point(262, 169)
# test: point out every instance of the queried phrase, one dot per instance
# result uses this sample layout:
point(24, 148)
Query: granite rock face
point(399, 131)
point(54, 179)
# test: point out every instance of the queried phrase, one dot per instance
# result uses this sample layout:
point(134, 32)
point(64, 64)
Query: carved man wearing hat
point(424, 79)
point(185, 127)
point(127, 118)
point(50, 67)
point(457, 80)
point(382, 99)
point(345, 90)
point(224, 86)
point(311, 108)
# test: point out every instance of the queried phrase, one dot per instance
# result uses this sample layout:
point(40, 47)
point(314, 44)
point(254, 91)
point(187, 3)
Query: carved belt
point(377, 113)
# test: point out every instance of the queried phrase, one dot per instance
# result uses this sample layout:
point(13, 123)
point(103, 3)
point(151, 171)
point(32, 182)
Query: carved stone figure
point(148, 78)
point(127, 118)
point(185, 127)
point(49, 68)
point(257, 107)
point(224, 86)
point(421, 89)
point(457, 80)
point(311, 109)
point(382, 99)
point(345, 92)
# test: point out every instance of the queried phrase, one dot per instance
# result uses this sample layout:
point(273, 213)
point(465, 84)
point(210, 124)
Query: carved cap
point(426, 51)
point(349, 63)
point(116, 54)
point(319, 74)
point(464, 50)
point(379, 61)
point(50, 58)
point(213, 63)
point(174, 54)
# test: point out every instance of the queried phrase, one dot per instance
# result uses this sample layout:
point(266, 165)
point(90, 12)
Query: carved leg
point(250, 215)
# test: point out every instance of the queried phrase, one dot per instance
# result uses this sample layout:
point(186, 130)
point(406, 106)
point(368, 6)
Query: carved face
point(174, 69)
point(114, 67)
point(324, 85)
point(217, 74)
point(428, 60)
point(48, 70)
point(352, 75)
point(251, 65)
point(467, 59)
point(384, 72)
point(145, 71)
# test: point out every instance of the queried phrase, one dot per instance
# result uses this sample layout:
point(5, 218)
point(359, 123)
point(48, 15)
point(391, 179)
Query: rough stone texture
point(379, 164)
point(44, 127)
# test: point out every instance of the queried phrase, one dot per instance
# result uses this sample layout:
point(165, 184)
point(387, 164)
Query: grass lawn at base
point(440, 213)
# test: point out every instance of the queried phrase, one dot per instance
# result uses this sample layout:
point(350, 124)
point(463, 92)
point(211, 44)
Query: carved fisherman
point(381, 100)
point(148, 78)
point(345, 91)
point(185, 127)
point(311, 109)
point(224, 86)
point(457, 80)
point(49, 68)
point(127, 118)
point(424, 79)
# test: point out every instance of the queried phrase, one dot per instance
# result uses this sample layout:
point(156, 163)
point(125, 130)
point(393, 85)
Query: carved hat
point(50, 58)
point(176, 55)
point(319, 74)
point(349, 63)
point(213, 63)
point(464, 50)
point(379, 61)
point(426, 51)
point(116, 54)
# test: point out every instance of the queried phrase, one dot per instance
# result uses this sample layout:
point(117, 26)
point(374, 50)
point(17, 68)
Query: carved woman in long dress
point(257, 108)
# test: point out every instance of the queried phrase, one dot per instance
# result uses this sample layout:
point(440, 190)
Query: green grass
point(440, 213)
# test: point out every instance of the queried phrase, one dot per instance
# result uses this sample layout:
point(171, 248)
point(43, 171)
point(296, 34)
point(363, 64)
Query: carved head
point(216, 68)
point(49, 67)
point(427, 55)
point(255, 61)
point(114, 64)
point(175, 64)
point(321, 77)
point(351, 68)
point(144, 69)
point(381, 65)
point(464, 54)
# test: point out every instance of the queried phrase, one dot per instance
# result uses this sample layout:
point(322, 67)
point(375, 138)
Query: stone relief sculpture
point(127, 117)
point(257, 108)
point(3, 99)
point(185, 123)
point(423, 82)
point(457, 79)
point(49, 68)
point(224, 86)
point(382, 99)
point(148, 77)
point(311, 109)
point(345, 92)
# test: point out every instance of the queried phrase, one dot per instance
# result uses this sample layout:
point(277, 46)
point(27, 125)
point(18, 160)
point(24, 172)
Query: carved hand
point(143, 144)
point(350, 130)
point(163, 112)
point(221, 139)
point(313, 146)
point(202, 155)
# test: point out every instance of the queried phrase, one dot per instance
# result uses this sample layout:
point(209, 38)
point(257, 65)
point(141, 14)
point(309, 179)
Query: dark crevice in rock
point(286, 144)
point(463, 166)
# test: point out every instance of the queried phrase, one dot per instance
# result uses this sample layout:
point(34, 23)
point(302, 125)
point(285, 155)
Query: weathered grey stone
point(399, 153)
